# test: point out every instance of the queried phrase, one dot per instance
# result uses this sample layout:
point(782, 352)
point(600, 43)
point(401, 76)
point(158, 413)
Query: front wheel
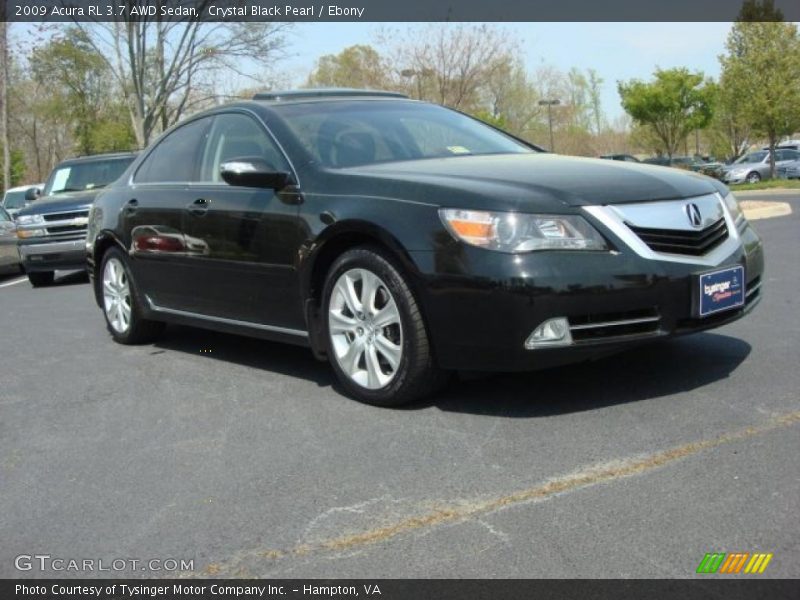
point(377, 341)
point(753, 177)
point(121, 306)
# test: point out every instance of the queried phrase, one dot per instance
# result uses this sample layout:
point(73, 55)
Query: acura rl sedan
point(401, 241)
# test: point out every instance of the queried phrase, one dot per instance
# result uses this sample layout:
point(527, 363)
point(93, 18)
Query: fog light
point(553, 332)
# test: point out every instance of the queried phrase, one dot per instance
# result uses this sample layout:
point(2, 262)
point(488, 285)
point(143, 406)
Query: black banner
point(703, 588)
point(388, 10)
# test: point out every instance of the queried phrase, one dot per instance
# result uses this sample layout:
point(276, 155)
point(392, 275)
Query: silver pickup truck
point(52, 231)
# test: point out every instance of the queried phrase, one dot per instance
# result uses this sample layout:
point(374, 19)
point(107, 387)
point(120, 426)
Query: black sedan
point(402, 241)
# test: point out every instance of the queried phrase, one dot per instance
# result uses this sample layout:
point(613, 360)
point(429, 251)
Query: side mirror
point(32, 194)
point(252, 171)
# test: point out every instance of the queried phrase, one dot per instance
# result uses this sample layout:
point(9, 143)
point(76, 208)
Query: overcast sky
point(615, 50)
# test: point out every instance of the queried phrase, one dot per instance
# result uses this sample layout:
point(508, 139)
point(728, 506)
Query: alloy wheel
point(117, 295)
point(366, 329)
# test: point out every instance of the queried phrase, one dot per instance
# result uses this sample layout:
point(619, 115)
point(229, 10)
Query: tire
point(375, 335)
point(41, 278)
point(122, 308)
point(753, 177)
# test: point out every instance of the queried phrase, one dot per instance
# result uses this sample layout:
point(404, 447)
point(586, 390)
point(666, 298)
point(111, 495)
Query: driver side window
point(235, 135)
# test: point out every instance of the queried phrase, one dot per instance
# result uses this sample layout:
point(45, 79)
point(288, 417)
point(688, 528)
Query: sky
point(617, 51)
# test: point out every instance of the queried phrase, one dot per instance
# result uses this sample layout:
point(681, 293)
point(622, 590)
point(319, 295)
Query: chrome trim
point(614, 217)
point(615, 323)
point(185, 313)
point(34, 249)
point(753, 290)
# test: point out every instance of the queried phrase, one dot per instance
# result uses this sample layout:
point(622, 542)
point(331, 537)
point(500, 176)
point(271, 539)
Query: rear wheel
point(377, 342)
point(41, 278)
point(753, 177)
point(121, 306)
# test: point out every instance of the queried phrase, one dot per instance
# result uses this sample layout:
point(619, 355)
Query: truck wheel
point(41, 278)
point(121, 306)
point(377, 341)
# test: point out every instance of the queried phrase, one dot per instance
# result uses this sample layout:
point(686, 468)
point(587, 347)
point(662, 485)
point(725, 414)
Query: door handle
point(199, 207)
point(131, 206)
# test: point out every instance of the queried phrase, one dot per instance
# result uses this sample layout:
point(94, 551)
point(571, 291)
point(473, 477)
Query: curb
point(769, 192)
point(754, 209)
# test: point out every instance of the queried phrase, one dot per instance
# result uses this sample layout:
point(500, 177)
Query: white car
point(19, 197)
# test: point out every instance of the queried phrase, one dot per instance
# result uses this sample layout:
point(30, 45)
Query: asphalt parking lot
point(243, 456)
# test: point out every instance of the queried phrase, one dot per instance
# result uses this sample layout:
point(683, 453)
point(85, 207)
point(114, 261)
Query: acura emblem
point(694, 214)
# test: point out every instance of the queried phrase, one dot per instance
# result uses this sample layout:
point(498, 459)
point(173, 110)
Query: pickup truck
point(51, 232)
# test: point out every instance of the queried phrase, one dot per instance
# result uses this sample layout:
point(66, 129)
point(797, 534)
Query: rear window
point(14, 199)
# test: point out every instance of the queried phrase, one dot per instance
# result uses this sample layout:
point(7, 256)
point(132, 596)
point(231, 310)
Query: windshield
point(753, 157)
point(348, 134)
point(14, 199)
point(86, 176)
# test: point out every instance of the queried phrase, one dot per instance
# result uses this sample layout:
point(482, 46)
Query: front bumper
point(734, 179)
point(37, 255)
point(481, 306)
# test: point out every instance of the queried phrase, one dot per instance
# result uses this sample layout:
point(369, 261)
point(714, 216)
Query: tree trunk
point(773, 141)
point(4, 108)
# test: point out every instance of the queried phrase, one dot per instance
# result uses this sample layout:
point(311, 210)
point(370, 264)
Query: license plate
point(721, 290)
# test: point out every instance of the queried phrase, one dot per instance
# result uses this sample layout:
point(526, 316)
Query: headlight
point(517, 232)
point(30, 220)
point(733, 207)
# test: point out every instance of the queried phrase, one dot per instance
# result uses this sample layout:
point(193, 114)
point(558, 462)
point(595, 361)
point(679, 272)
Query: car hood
point(60, 202)
point(541, 179)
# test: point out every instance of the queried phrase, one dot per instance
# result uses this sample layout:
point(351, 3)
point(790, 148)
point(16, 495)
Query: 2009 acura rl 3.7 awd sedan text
point(402, 240)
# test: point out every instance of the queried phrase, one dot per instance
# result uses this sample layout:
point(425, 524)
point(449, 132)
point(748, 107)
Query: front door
point(246, 238)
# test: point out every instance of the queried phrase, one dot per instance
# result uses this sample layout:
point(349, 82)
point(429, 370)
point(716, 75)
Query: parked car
point(621, 157)
point(9, 257)
point(52, 230)
point(17, 198)
point(401, 240)
point(788, 170)
point(754, 166)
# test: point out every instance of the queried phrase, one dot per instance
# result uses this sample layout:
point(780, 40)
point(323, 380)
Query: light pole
point(550, 104)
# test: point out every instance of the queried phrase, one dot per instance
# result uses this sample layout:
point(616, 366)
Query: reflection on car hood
point(61, 202)
point(570, 180)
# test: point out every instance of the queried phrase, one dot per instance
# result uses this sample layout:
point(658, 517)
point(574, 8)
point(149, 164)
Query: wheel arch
point(332, 243)
point(102, 243)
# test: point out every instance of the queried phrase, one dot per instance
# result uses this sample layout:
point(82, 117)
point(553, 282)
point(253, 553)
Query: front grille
point(600, 327)
point(67, 225)
point(65, 216)
point(674, 241)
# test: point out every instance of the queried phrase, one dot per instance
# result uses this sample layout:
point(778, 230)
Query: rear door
point(8, 240)
point(153, 214)
point(247, 237)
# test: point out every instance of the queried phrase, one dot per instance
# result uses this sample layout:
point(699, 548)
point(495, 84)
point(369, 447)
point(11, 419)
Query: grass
point(770, 184)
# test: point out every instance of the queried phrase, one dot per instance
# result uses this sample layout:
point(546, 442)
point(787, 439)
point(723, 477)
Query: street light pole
point(550, 104)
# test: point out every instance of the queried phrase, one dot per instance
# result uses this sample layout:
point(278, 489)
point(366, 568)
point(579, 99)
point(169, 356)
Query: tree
point(730, 128)
point(5, 140)
point(595, 83)
point(675, 103)
point(358, 66)
point(166, 68)
point(452, 65)
point(763, 66)
point(81, 85)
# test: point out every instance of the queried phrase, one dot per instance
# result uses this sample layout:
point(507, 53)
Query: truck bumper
point(50, 256)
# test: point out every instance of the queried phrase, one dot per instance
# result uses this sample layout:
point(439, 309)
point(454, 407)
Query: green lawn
point(770, 184)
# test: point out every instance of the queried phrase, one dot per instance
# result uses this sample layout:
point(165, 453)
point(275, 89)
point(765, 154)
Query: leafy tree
point(359, 66)
point(81, 86)
point(595, 83)
point(729, 130)
point(763, 67)
point(675, 103)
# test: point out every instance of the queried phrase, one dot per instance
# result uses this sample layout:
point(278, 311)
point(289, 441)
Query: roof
point(24, 188)
point(279, 96)
point(93, 157)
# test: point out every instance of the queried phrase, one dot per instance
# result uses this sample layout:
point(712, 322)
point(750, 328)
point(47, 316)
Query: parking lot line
point(13, 282)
